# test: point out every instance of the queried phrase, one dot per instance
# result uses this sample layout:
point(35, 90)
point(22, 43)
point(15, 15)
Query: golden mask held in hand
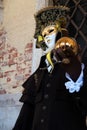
point(65, 49)
point(68, 46)
point(67, 42)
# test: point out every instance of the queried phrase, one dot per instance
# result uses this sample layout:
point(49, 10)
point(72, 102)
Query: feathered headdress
point(54, 15)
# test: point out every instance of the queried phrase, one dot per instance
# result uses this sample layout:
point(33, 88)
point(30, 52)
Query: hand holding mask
point(65, 49)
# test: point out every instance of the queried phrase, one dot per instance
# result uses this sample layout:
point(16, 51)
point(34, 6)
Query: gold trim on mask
point(40, 38)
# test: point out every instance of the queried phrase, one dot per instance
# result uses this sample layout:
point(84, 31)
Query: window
point(77, 19)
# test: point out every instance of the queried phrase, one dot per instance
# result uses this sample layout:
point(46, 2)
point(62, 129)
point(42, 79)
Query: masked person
point(55, 95)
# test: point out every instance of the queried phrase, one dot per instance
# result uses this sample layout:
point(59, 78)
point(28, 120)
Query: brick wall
point(15, 67)
point(16, 41)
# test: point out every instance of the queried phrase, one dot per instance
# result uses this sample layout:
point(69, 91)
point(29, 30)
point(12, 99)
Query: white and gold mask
point(49, 36)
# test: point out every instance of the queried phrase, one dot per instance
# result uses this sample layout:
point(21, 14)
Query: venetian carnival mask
point(49, 35)
point(66, 42)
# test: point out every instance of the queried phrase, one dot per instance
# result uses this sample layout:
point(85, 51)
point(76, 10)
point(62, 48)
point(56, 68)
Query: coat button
point(46, 96)
point(42, 120)
point(50, 75)
point(48, 85)
point(44, 107)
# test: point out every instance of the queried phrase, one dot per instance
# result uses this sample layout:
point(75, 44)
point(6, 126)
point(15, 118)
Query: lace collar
point(74, 86)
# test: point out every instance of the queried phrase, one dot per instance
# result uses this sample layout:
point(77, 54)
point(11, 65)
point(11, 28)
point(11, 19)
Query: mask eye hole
point(44, 35)
point(68, 44)
point(51, 30)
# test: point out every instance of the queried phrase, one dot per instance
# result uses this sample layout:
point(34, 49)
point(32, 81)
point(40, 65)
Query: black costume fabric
point(48, 105)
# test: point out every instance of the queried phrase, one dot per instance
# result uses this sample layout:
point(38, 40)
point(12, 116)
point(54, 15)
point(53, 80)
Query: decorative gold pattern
point(50, 16)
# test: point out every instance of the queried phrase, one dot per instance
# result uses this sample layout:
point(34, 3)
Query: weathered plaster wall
point(15, 67)
point(16, 53)
point(16, 42)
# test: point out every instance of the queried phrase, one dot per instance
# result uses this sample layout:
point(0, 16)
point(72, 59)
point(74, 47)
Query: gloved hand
point(63, 54)
point(65, 50)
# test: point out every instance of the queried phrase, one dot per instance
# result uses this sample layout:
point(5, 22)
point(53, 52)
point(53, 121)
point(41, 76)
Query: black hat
point(50, 16)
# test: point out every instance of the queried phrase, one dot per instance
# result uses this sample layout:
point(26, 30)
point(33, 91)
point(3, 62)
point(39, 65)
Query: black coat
point(48, 105)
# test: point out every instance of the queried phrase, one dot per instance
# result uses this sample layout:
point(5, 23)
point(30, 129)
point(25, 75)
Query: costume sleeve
point(31, 85)
point(25, 118)
point(29, 92)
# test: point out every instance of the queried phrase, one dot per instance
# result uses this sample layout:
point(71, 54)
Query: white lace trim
point(74, 86)
point(49, 67)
